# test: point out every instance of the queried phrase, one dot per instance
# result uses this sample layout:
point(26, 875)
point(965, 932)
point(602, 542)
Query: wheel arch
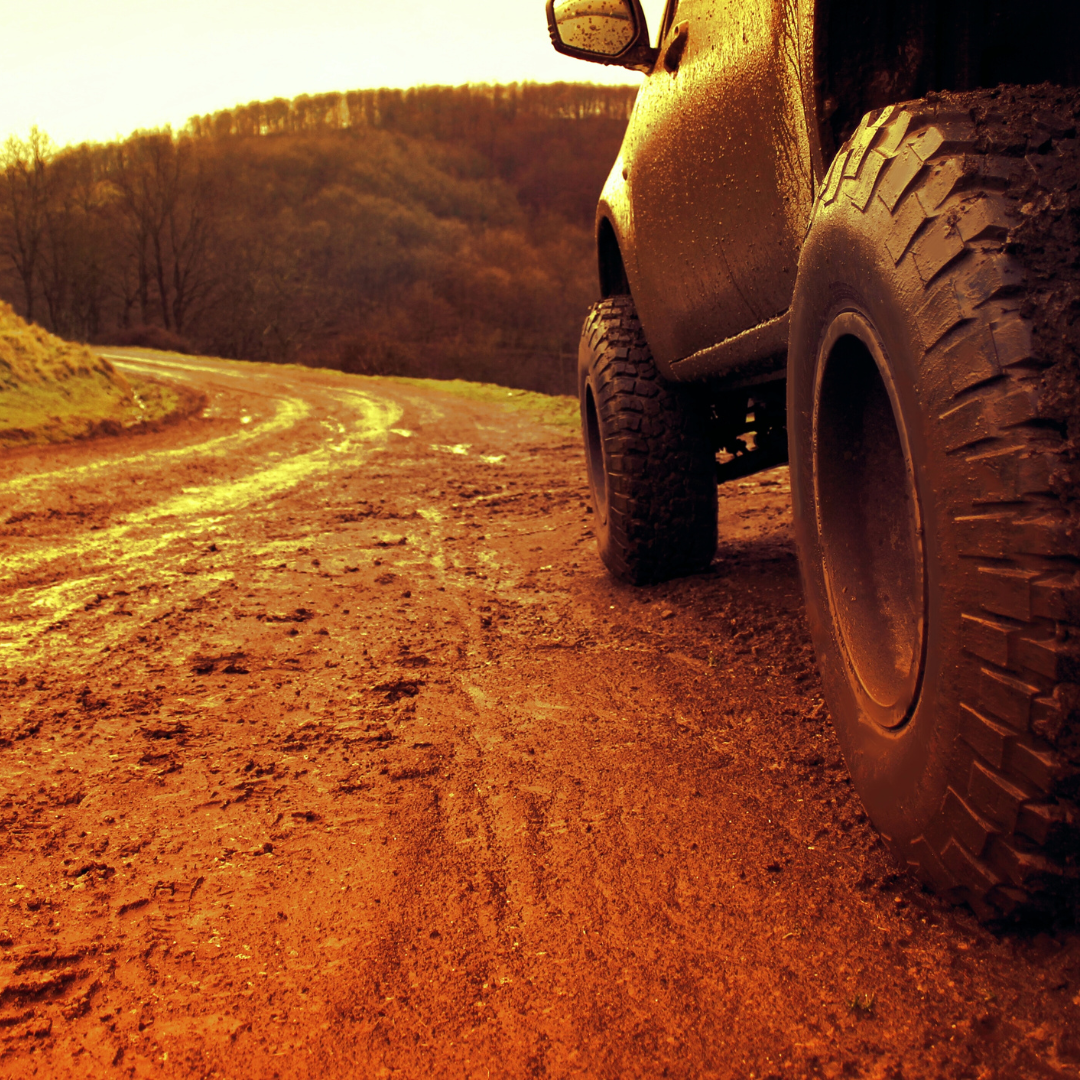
point(613, 279)
point(872, 55)
point(614, 233)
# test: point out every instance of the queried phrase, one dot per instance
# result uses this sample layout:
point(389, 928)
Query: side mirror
point(603, 31)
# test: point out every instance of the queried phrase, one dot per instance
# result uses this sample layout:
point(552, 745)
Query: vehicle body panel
point(714, 183)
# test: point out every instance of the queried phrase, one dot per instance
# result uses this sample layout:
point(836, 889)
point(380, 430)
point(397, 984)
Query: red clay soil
point(328, 749)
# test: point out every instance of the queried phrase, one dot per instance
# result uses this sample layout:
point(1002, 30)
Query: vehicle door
point(718, 171)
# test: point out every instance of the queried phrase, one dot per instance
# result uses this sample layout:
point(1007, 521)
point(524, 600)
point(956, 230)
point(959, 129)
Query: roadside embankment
point(53, 390)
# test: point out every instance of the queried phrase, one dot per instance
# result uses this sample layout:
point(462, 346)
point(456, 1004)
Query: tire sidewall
point(900, 774)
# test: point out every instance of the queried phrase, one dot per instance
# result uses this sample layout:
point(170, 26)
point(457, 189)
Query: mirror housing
point(602, 31)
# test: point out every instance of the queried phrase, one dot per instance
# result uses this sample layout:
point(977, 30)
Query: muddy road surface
point(328, 749)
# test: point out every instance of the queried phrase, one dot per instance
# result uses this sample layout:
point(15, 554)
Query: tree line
point(434, 231)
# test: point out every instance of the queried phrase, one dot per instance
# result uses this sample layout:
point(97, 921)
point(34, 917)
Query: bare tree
point(166, 198)
point(24, 183)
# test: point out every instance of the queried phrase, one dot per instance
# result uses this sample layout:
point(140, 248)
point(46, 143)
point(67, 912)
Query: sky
point(92, 70)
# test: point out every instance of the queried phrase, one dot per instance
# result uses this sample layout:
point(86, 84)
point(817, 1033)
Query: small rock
point(669, 614)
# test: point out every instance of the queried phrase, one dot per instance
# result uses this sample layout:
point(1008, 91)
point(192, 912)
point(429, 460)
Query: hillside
point(431, 232)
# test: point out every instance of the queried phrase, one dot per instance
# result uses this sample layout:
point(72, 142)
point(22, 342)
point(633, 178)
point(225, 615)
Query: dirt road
point(328, 749)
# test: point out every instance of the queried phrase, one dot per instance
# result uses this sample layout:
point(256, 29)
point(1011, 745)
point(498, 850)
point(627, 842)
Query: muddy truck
point(846, 235)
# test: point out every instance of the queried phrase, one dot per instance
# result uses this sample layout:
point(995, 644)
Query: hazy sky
point(95, 69)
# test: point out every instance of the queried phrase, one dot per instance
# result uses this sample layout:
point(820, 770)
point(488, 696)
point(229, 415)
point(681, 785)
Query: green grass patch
point(560, 410)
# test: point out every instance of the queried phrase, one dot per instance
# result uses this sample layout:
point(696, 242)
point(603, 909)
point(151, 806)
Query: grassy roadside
point(559, 410)
point(53, 391)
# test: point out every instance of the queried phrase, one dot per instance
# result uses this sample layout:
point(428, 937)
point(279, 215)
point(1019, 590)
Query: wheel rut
point(327, 746)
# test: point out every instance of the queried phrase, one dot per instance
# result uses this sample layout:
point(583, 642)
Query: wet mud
point(1030, 138)
point(327, 748)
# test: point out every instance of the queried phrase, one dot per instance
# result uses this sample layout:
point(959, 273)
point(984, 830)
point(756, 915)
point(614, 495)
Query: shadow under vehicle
point(849, 233)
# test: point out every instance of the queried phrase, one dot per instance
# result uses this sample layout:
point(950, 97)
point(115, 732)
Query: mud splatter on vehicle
point(843, 199)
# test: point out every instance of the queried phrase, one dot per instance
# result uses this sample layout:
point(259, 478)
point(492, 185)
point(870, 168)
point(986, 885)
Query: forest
point(435, 231)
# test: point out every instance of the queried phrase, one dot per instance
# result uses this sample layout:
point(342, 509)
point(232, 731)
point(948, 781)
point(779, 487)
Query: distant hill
point(434, 231)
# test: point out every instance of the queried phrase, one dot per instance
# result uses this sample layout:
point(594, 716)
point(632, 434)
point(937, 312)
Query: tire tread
point(662, 500)
point(1008, 833)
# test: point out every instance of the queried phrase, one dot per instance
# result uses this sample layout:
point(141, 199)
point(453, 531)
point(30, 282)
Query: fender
point(616, 250)
point(614, 233)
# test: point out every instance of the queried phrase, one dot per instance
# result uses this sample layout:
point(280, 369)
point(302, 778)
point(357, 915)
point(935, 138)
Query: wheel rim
point(594, 456)
point(869, 521)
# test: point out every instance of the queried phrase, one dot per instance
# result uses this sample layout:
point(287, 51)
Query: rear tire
point(938, 567)
point(652, 469)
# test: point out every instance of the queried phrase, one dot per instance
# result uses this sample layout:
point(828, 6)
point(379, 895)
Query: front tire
point(652, 469)
point(936, 561)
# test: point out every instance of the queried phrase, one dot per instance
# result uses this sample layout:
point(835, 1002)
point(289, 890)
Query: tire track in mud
point(356, 420)
point(366, 768)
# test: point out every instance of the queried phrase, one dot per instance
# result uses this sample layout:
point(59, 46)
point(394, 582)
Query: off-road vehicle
point(848, 234)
